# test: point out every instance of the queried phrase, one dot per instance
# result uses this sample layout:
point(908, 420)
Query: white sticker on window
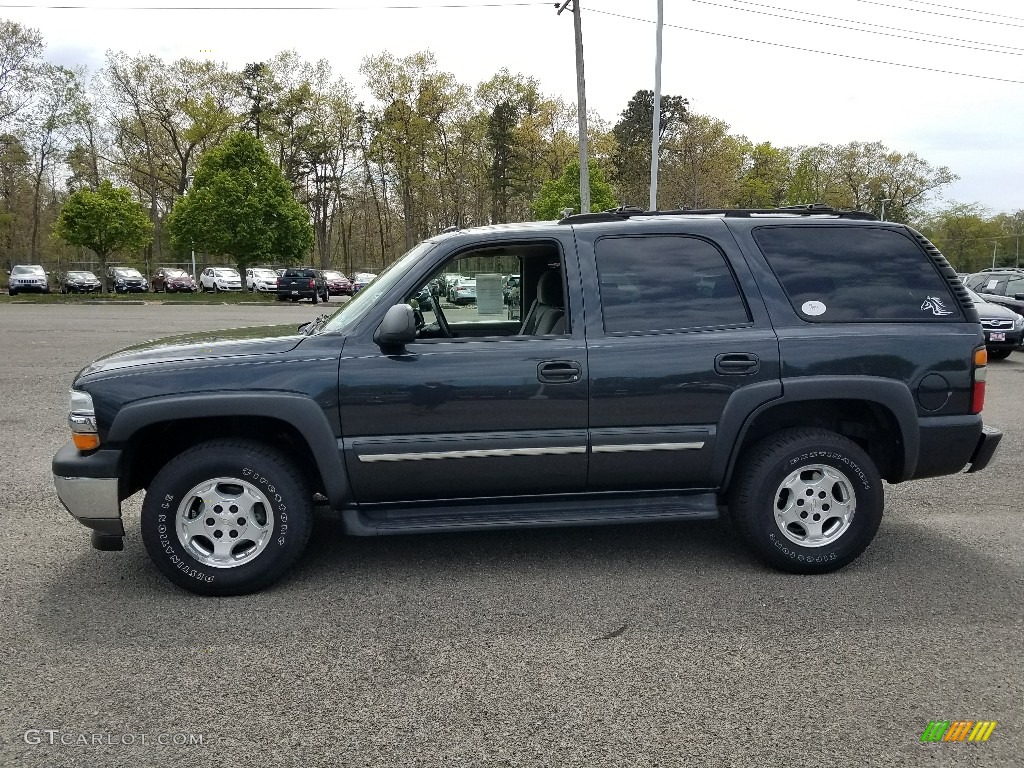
point(990, 284)
point(813, 308)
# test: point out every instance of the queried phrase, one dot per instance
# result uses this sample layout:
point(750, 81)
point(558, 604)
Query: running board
point(537, 513)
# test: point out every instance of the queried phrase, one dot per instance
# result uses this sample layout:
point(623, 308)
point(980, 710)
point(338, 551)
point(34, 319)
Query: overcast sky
point(786, 71)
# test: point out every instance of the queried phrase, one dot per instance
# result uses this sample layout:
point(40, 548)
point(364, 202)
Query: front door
point(473, 408)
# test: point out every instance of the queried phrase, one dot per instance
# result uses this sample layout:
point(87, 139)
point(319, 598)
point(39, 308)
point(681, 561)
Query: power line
point(269, 7)
point(968, 10)
point(939, 38)
point(946, 15)
point(812, 50)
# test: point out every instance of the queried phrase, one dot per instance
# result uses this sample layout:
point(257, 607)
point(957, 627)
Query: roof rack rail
point(810, 209)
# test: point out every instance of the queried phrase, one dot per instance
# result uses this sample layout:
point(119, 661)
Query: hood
point(992, 311)
point(210, 345)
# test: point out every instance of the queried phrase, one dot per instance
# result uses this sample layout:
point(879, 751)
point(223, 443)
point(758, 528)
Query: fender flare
point(893, 396)
point(299, 411)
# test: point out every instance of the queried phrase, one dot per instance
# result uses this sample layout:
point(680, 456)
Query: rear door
point(681, 333)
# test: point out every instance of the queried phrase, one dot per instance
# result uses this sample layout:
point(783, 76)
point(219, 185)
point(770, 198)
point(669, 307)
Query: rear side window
point(856, 274)
point(664, 283)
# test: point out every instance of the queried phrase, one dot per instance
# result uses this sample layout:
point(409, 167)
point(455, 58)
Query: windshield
point(174, 272)
point(349, 314)
point(127, 273)
point(334, 276)
point(82, 275)
point(225, 273)
point(264, 273)
point(23, 270)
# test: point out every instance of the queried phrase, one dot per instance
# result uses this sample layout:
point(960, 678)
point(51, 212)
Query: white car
point(218, 279)
point(27, 277)
point(463, 291)
point(260, 279)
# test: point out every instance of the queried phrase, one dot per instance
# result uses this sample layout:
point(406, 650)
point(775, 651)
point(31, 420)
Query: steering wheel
point(442, 323)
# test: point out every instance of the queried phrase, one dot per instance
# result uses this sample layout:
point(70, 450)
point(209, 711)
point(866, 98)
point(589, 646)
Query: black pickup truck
point(302, 283)
point(775, 366)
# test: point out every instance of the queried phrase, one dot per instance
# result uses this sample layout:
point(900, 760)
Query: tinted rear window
point(856, 274)
point(665, 282)
point(300, 273)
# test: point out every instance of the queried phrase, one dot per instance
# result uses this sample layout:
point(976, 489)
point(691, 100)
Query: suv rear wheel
point(226, 517)
point(807, 500)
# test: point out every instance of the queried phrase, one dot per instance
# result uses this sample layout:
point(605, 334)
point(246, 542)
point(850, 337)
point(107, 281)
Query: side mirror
point(398, 327)
point(1019, 296)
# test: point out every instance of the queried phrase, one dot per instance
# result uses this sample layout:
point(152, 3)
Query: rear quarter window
point(841, 274)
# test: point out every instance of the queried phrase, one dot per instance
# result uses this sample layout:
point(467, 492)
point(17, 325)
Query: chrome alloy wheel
point(815, 505)
point(224, 522)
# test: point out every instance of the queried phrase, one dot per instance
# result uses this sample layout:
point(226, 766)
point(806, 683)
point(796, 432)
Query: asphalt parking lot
point(658, 645)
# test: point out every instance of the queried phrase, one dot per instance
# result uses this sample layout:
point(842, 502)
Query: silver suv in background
point(27, 278)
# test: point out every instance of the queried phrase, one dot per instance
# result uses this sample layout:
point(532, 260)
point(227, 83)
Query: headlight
point(1019, 322)
point(82, 421)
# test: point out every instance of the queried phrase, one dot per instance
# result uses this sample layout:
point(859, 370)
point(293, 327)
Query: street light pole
point(884, 201)
point(581, 90)
point(656, 135)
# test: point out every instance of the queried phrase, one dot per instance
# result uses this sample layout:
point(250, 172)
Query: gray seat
point(546, 315)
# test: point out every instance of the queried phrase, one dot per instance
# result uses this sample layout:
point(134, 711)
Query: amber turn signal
point(85, 441)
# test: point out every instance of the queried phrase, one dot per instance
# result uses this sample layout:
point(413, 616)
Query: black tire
point(281, 297)
point(798, 458)
point(12, 292)
point(288, 521)
point(999, 354)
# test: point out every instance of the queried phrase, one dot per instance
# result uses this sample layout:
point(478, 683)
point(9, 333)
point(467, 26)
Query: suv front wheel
point(807, 500)
point(226, 517)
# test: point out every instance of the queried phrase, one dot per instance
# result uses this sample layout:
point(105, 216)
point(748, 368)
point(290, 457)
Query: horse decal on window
point(934, 303)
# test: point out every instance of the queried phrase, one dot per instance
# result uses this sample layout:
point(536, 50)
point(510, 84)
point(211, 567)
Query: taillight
point(979, 374)
point(312, 284)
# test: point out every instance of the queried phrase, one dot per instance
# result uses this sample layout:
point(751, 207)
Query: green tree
point(631, 159)
point(564, 192)
point(964, 234)
point(766, 177)
point(240, 207)
point(106, 220)
point(21, 52)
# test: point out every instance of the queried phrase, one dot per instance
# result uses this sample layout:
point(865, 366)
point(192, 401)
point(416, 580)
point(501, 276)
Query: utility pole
point(581, 91)
point(884, 201)
point(656, 136)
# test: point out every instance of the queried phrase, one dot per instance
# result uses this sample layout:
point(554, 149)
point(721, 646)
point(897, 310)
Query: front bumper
point(88, 487)
point(30, 287)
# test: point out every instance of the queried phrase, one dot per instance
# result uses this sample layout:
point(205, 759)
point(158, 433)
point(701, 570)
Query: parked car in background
point(127, 280)
point(260, 279)
point(463, 291)
point(1004, 328)
point(302, 283)
point(219, 279)
point(337, 283)
point(79, 281)
point(360, 280)
point(511, 283)
point(27, 278)
point(172, 280)
point(1000, 286)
